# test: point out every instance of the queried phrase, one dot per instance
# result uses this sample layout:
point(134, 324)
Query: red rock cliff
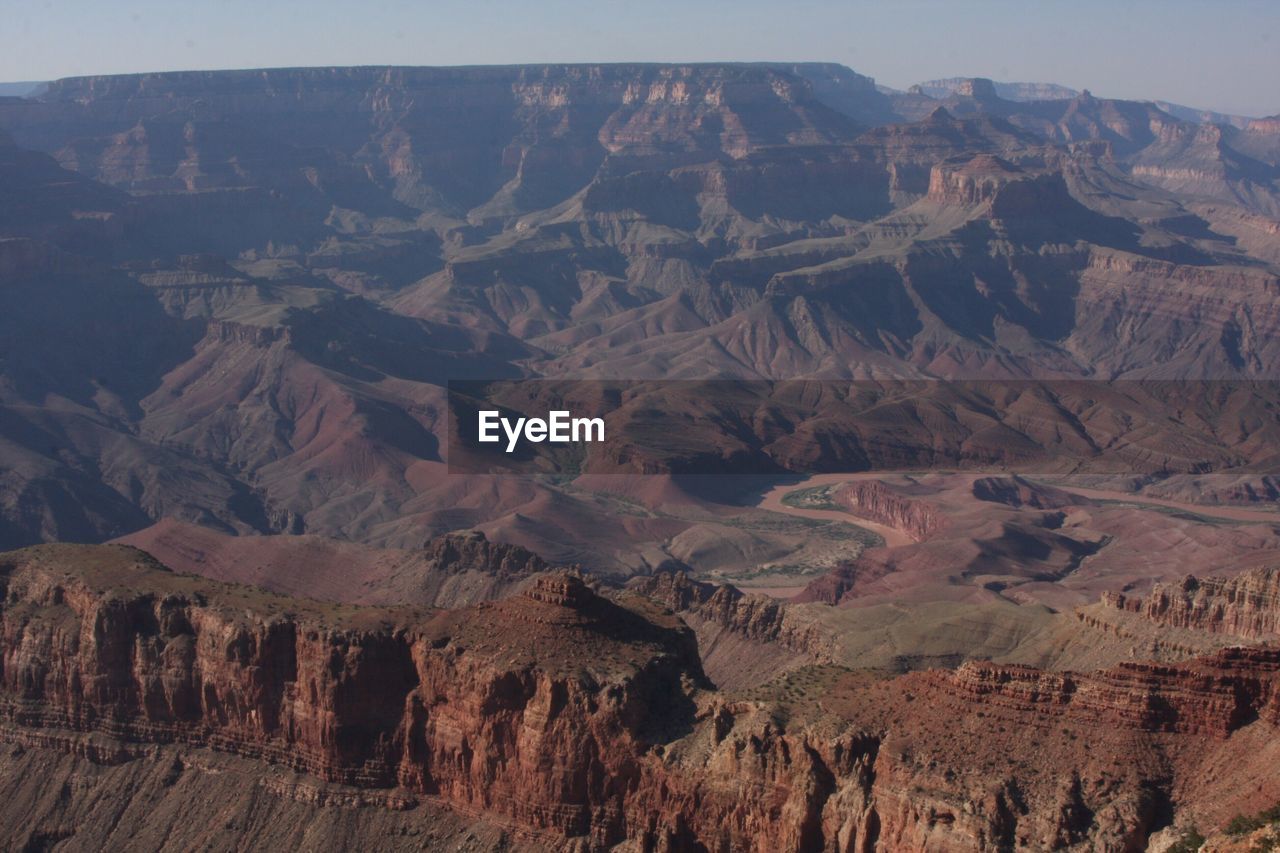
point(575, 717)
point(1246, 606)
point(876, 501)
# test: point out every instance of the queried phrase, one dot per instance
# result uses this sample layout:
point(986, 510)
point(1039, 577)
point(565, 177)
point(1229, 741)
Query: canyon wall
point(874, 500)
point(1245, 606)
point(575, 717)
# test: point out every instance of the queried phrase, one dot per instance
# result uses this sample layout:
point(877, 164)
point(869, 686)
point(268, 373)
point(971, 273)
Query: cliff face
point(549, 127)
point(465, 568)
point(559, 690)
point(570, 716)
point(756, 617)
point(1246, 606)
point(876, 501)
point(743, 639)
point(473, 552)
point(1052, 743)
point(1212, 696)
point(974, 182)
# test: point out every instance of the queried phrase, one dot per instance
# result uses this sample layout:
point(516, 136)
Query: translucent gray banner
point(569, 427)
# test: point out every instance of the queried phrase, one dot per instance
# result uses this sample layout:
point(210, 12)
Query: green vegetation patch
point(813, 497)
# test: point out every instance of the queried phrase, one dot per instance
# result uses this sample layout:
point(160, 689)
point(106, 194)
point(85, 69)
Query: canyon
point(596, 724)
point(935, 506)
point(334, 245)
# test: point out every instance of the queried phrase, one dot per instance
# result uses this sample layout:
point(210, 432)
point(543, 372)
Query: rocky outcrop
point(1088, 728)
point(459, 569)
point(472, 551)
point(1245, 606)
point(1213, 696)
point(754, 617)
point(881, 503)
point(1268, 125)
point(477, 707)
point(227, 331)
point(973, 182)
point(573, 717)
point(979, 88)
point(1015, 491)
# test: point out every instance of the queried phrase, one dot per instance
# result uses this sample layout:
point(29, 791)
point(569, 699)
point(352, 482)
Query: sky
point(1215, 54)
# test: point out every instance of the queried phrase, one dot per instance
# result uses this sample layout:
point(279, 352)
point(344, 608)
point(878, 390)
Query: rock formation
point(1246, 606)
point(453, 570)
point(289, 264)
point(231, 304)
point(1018, 492)
point(575, 717)
point(879, 502)
point(742, 638)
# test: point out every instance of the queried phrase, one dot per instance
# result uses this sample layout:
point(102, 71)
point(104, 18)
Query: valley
point(258, 592)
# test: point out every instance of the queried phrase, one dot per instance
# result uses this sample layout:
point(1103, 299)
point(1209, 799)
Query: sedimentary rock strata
point(1245, 606)
point(569, 715)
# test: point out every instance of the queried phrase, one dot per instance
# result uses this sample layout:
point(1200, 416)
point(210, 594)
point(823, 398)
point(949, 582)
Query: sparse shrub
point(1190, 841)
point(1241, 825)
point(1267, 845)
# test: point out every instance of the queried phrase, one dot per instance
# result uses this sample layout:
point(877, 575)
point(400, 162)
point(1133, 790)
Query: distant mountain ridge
point(22, 89)
point(234, 309)
point(1009, 91)
point(301, 258)
point(950, 86)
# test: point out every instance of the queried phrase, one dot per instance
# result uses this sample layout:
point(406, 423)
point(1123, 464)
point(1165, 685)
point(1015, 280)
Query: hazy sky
point(1220, 54)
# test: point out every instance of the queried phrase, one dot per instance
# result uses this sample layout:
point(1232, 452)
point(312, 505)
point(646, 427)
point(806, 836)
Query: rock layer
point(742, 638)
point(577, 718)
point(878, 502)
point(258, 281)
point(1245, 606)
